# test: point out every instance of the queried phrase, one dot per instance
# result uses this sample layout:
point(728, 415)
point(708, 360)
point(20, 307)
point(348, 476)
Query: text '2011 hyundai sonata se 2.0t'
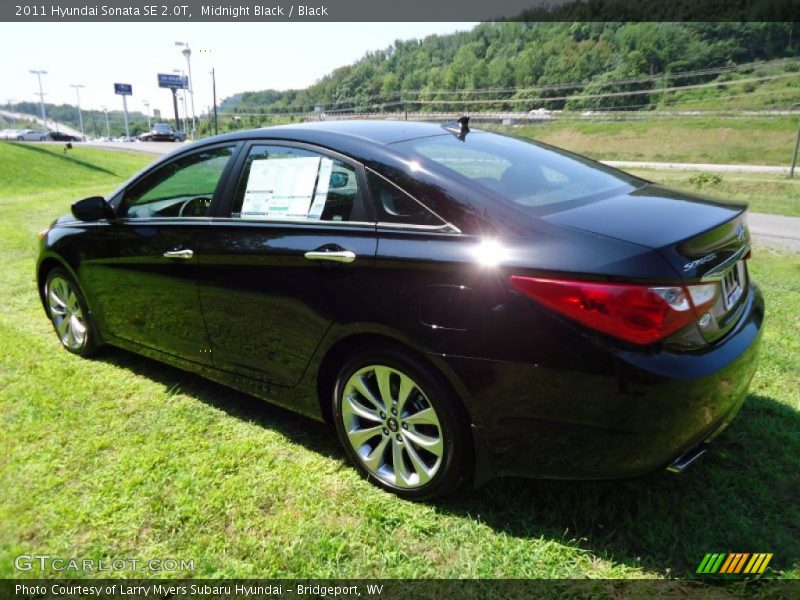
point(459, 304)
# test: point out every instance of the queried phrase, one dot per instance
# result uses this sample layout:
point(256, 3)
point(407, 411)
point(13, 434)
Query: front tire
point(400, 424)
point(69, 314)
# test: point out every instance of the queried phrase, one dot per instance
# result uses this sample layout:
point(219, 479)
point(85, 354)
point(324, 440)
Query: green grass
point(763, 192)
point(125, 457)
point(755, 141)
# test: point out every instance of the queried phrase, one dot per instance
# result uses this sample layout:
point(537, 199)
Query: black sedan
point(459, 304)
point(57, 136)
point(162, 132)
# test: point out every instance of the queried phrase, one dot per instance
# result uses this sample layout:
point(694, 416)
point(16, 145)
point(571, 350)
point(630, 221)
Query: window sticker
point(280, 188)
point(321, 195)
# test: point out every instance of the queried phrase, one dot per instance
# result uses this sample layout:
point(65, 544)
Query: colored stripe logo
point(734, 563)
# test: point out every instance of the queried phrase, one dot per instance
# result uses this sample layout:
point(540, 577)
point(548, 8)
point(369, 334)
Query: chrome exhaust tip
point(685, 460)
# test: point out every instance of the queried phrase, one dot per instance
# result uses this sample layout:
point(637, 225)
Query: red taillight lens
point(641, 314)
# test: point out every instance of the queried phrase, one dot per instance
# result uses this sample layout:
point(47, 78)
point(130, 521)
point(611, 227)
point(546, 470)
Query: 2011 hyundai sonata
point(459, 304)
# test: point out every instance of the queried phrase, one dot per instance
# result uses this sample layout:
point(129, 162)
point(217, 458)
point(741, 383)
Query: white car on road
point(31, 135)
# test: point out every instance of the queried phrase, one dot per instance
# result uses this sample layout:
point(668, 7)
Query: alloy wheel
point(392, 426)
point(66, 313)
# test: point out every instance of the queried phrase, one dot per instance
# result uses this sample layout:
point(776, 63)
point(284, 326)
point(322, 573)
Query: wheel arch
point(339, 351)
point(51, 261)
point(47, 264)
point(343, 347)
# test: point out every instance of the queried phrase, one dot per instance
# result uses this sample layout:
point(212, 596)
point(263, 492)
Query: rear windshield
point(537, 177)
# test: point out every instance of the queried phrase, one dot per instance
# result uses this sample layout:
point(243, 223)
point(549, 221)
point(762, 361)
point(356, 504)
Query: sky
point(245, 56)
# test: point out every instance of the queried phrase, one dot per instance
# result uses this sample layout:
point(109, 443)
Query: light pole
point(187, 52)
point(796, 146)
point(41, 94)
point(147, 110)
point(78, 87)
point(11, 110)
point(108, 127)
point(183, 100)
point(214, 92)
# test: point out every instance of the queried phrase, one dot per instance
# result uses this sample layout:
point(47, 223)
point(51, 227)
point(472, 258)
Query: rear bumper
point(599, 413)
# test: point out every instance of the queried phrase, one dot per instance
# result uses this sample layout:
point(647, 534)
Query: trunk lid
point(705, 240)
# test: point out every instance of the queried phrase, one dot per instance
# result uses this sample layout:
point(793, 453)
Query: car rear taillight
point(637, 313)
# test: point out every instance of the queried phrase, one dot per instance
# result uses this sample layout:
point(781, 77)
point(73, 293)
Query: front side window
point(282, 183)
point(183, 188)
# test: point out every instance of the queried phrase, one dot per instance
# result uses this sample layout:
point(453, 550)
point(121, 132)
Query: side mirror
point(93, 208)
point(338, 179)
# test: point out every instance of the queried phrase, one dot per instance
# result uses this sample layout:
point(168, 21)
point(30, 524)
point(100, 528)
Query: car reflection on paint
point(460, 305)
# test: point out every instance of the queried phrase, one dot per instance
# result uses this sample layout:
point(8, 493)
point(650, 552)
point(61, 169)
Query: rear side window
point(539, 178)
point(283, 183)
point(393, 205)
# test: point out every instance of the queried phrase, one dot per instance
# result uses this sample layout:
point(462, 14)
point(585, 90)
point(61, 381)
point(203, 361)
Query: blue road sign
point(123, 89)
point(169, 80)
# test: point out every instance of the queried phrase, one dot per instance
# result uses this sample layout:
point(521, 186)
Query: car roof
point(380, 132)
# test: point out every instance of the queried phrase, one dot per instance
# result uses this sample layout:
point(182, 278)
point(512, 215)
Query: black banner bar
point(222, 589)
point(151, 11)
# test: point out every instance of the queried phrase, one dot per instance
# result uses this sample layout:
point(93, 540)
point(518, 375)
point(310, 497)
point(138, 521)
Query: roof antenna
point(459, 128)
point(463, 123)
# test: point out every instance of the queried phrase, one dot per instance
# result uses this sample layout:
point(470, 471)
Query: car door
point(142, 272)
point(286, 257)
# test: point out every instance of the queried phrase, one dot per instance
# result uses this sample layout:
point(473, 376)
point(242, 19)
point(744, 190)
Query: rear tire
point(400, 424)
point(67, 310)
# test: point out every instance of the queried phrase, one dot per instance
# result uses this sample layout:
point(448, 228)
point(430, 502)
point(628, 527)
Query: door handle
point(342, 256)
point(182, 254)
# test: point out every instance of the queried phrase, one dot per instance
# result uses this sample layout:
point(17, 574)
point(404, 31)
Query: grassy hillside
point(520, 66)
point(752, 140)
point(124, 457)
point(32, 169)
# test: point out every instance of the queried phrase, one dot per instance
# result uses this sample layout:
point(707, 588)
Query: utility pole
point(78, 87)
point(214, 93)
point(187, 52)
point(796, 146)
point(41, 94)
point(147, 110)
point(13, 115)
point(108, 127)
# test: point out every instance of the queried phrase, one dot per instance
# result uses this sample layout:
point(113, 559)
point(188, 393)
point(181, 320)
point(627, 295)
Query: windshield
point(540, 178)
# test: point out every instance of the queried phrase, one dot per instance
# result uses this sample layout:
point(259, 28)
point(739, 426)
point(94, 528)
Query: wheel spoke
point(402, 477)
point(427, 416)
point(422, 470)
point(70, 334)
point(373, 459)
point(78, 329)
point(57, 305)
point(359, 437)
point(361, 385)
point(431, 444)
point(353, 407)
point(62, 325)
point(72, 300)
point(382, 375)
point(406, 387)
